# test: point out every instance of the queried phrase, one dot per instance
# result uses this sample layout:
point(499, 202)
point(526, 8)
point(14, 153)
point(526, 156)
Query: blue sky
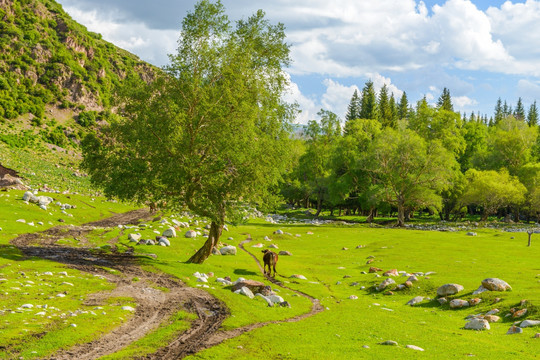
point(480, 50)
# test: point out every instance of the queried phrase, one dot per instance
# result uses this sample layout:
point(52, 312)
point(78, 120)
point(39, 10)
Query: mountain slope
point(57, 80)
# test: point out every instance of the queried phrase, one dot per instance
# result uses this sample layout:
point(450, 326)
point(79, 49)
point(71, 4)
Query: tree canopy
point(211, 132)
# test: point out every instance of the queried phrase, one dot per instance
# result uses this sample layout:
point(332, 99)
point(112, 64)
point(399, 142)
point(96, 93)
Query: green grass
point(344, 327)
point(22, 331)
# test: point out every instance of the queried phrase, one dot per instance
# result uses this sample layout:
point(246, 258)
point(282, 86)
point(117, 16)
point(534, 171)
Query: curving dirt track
point(153, 306)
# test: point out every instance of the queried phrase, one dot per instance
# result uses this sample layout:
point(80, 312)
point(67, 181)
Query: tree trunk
point(530, 234)
point(339, 211)
point(206, 250)
point(371, 215)
point(401, 215)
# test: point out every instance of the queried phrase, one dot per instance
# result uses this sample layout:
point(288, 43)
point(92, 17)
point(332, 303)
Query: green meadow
point(332, 257)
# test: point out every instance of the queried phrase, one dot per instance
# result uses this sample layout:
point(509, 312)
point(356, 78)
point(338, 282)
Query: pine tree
point(532, 117)
point(403, 108)
point(393, 111)
point(368, 108)
point(353, 111)
point(499, 111)
point(385, 113)
point(445, 101)
point(519, 112)
point(506, 110)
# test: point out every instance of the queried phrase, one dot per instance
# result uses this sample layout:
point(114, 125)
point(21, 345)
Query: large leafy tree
point(411, 170)
point(211, 132)
point(492, 190)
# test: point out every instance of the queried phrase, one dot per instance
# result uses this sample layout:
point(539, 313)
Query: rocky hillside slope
point(57, 81)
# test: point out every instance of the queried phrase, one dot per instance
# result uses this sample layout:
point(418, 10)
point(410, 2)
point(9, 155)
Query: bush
point(87, 118)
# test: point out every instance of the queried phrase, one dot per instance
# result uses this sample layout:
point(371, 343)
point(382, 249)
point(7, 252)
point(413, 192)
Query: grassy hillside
point(57, 81)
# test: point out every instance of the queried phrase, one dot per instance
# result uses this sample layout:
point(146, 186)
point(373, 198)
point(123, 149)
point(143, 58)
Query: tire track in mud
point(154, 306)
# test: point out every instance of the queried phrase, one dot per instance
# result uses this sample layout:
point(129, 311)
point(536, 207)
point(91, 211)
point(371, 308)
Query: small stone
point(493, 312)
point(477, 324)
point(458, 303)
point(190, 234)
point(408, 284)
point(412, 278)
point(392, 272)
point(366, 346)
point(228, 250)
point(134, 237)
point(474, 301)
point(529, 323)
point(273, 246)
point(27, 306)
point(449, 289)
point(415, 300)
point(495, 284)
point(163, 241)
point(297, 276)
point(374, 269)
point(385, 284)
point(278, 232)
point(491, 318)
point(73, 325)
point(471, 234)
point(514, 330)
point(414, 347)
point(170, 233)
point(245, 291)
point(285, 253)
point(344, 248)
point(128, 308)
point(519, 313)
point(442, 301)
point(353, 297)
point(259, 245)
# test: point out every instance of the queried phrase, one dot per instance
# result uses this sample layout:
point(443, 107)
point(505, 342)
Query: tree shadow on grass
point(244, 272)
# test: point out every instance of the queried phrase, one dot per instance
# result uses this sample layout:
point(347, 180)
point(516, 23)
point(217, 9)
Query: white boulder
point(228, 250)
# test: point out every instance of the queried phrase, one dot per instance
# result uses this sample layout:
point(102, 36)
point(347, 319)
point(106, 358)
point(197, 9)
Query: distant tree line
point(390, 158)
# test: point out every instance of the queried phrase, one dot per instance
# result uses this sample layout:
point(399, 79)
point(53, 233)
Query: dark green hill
point(57, 80)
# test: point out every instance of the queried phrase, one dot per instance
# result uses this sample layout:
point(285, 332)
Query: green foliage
point(56, 136)
point(410, 170)
point(87, 118)
point(492, 190)
point(213, 132)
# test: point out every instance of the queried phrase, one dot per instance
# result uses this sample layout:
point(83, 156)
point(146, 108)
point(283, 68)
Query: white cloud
point(463, 102)
point(337, 97)
point(307, 106)
point(150, 45)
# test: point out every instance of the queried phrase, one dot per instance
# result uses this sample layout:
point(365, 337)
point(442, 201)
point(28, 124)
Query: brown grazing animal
point(270, 259)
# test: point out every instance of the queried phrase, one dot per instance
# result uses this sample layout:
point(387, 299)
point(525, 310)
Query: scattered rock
point(285, 253)
point(296, 276)
point(128, 308)
point(353, 297)
point(412, 278)
point(259, 245)
point(480, 290)
point(374, 269)
point(449, 289)
point(254, 286)
point(273, 246)
point(537, 336)
point(491, 318)
point(458, 304)
point(514, 330)
point(408, 284)
point(519, 313)
point(493, 312)
point(471, 233)
point(414, 347)
point(245, 291)
point(477, 324)
point(228, 250)
point(223, 281)
point(495, 284)
point(385, 284)
point(27, 306)
point(389, 342)
point(190, 234)
point(163, 241)
point(170, 233)
point(278, 232)
point(415, 300)
point(215, 251)
point(529, 323)
point(392, 272)
point(134, 237)
point(344, 248)
point(474, 301)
